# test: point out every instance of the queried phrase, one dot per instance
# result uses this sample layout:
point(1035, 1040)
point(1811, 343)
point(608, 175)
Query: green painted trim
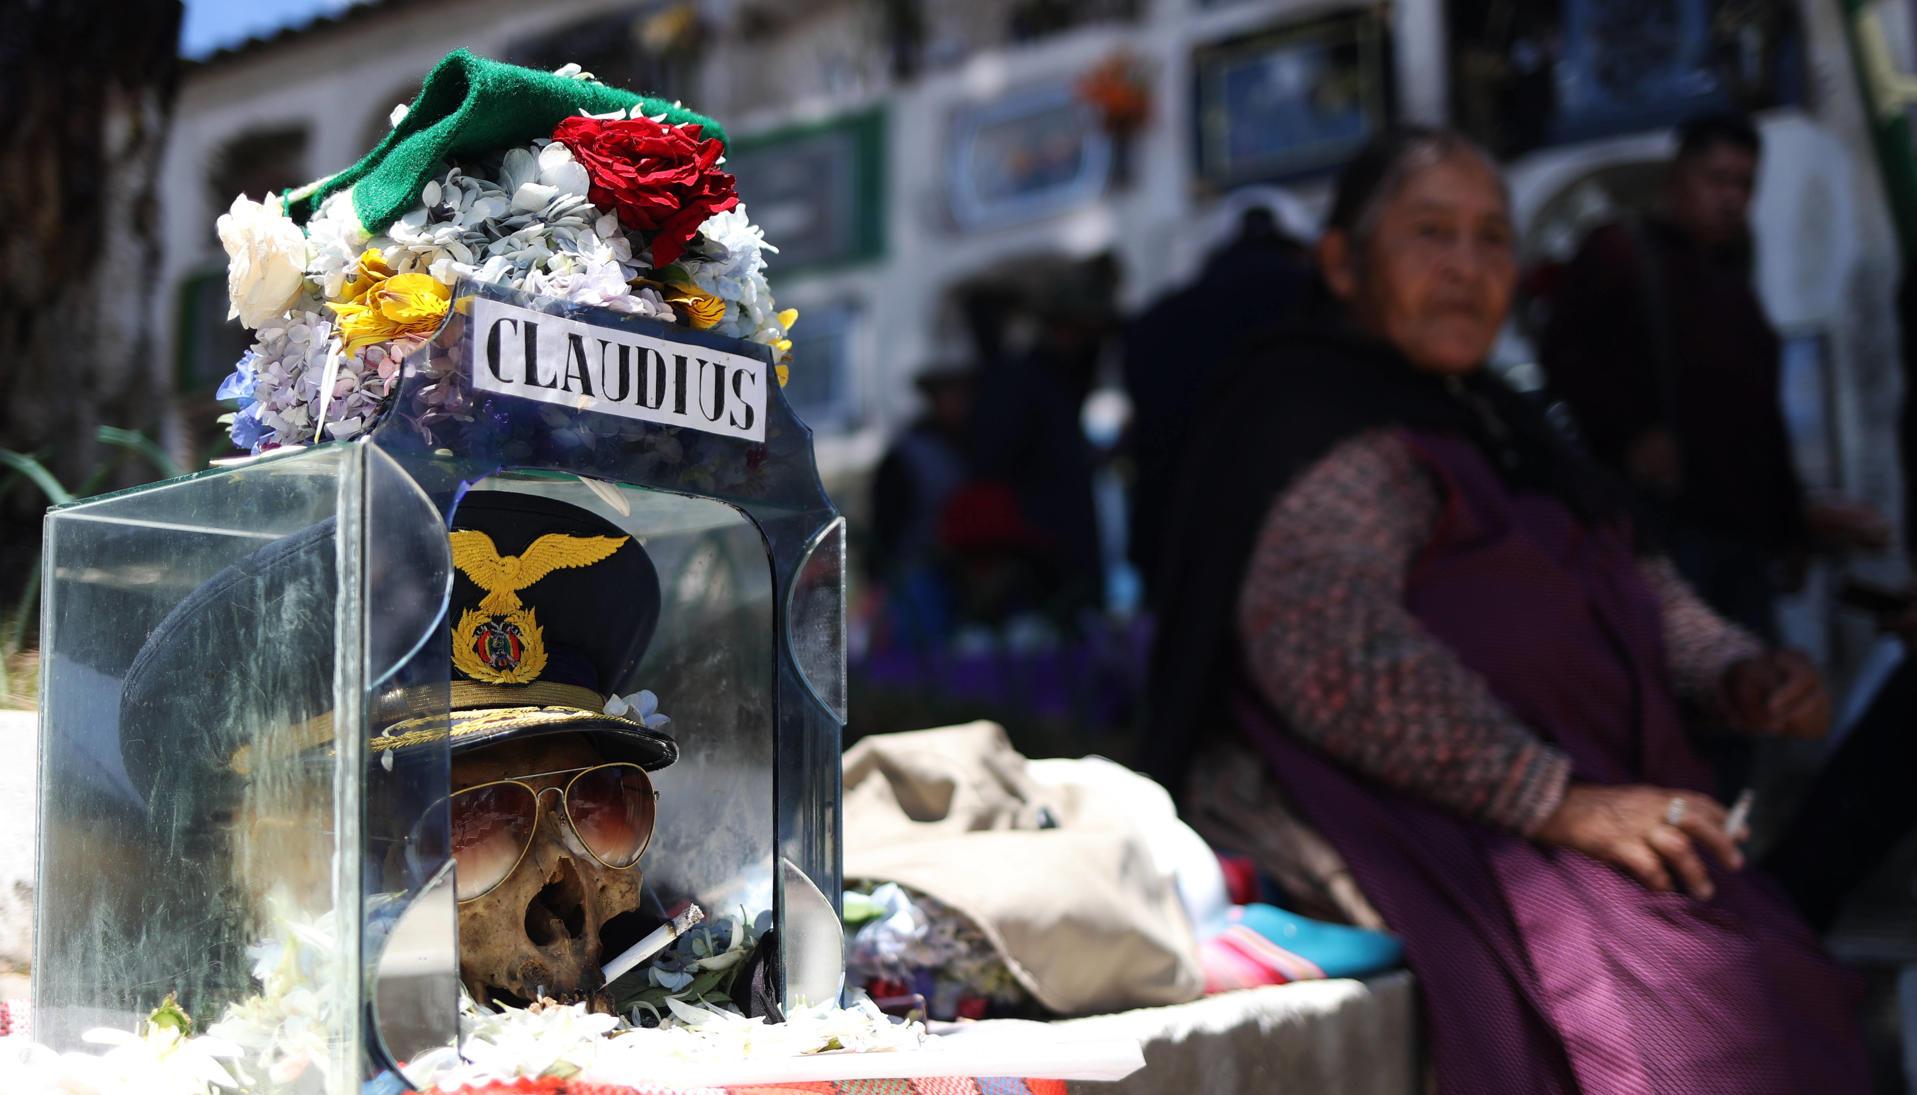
point(1891, 136)
point(871, 198)
point(186, 335)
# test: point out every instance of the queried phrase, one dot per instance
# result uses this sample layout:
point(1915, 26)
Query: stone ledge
point(1351, 1037)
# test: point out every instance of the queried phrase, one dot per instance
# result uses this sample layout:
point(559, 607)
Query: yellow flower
point(784, 346)
point(369, 272)
point(388, 307)
point(700, 309)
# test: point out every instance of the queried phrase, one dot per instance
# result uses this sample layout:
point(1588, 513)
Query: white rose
point(266, 257)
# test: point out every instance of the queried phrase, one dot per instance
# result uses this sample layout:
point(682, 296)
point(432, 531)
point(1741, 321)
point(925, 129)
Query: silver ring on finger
point(1674, 813)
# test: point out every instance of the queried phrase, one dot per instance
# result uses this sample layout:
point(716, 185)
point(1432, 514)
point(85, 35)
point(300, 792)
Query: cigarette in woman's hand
point(1740, 814)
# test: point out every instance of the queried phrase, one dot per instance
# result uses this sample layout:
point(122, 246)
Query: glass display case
point(233, 661)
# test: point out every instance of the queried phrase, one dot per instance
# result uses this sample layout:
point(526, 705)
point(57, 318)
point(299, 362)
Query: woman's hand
point(1847, 526)
point(1778, 693)
point(1632, 828)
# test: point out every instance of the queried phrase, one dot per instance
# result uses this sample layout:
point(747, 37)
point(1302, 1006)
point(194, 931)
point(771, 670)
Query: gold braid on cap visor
point(497, 707)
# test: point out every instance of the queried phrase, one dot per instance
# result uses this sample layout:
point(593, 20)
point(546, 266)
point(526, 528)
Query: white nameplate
point(533, 355)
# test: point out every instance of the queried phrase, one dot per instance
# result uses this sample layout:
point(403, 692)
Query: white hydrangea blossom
point(334, 240)
point(532, 229)
point(289, 359)
point(730, 264)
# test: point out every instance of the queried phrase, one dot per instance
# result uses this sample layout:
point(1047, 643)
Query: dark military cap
point(551, 609)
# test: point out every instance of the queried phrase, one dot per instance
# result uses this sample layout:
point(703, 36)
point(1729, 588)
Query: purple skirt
point(1544, 970)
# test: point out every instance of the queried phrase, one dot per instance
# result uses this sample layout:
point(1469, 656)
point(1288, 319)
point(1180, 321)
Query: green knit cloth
point(469, 106)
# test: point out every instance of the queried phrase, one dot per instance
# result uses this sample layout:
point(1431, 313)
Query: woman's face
point(1435, 277)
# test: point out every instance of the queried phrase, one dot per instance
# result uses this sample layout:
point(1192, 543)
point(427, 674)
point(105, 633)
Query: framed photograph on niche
point(823, 389)
point(208, 343)
point(1533, 75)
point(818, 190)
point(1029, 154)
point(1290, 101)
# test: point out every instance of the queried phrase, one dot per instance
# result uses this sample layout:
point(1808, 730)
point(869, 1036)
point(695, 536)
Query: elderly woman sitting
point(1463, 667)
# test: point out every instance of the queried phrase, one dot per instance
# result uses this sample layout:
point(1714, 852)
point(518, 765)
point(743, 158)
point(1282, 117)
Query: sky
point(212, 25)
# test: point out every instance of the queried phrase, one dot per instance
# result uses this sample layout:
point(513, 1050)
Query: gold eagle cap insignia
point(502, 577)
point(501, 641)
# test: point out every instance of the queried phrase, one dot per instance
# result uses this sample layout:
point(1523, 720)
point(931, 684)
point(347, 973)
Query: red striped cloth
point(1240, 958)
point(13, 1023)
point(13, 1019)
point(930, 1085)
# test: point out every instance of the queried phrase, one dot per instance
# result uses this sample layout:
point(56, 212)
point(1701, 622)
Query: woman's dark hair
point(1370, 179)
point(1700, 135)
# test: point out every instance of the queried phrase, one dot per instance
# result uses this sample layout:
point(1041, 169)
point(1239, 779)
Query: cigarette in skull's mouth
point(652, 944)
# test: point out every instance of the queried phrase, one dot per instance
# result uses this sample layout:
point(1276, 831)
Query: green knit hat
point(469, 106)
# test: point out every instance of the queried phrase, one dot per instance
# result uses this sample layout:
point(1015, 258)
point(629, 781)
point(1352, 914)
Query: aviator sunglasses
point(610, 808)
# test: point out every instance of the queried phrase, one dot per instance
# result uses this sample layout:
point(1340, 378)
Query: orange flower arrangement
point(1118, 87)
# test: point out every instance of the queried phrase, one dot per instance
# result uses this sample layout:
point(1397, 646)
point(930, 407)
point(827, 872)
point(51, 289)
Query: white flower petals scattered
point(159, 1062)
point(277, 1041)
point(641, 707)
point(552, 1039)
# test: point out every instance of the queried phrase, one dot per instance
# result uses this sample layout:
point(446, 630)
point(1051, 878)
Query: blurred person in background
point(1860, 810)
point(922, 469)
point(1028, 434)
point(1662, 349)
point(1174, 349)
point(1430, 621)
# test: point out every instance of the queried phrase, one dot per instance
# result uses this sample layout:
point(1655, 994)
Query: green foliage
point(36, 473)
point(171, 1016)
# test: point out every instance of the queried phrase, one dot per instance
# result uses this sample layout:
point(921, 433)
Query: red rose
point(661, 180)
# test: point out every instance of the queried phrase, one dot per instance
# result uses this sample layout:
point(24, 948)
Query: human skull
point(539, 933)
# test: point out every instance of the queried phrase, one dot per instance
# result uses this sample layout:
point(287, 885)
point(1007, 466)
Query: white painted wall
point(1828, 257)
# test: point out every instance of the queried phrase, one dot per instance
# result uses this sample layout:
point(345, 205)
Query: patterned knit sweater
point(1333, 648)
